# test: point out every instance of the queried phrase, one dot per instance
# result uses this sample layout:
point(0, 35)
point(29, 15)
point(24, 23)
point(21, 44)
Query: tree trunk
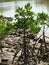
point(25, 57)
point(44, 41)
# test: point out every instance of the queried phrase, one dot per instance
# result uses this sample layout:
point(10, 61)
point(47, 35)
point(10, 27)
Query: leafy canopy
point(25, 19)
point(6, 28)
point(43, 18)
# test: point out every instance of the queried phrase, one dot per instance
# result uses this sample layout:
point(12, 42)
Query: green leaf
point(6, 28)
point(34, 28)
point(42, 16)
point(28, 7)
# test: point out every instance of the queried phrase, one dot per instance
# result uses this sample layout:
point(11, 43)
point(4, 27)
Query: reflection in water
point(8, 8)
point(6, 0)
point(46, 4)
